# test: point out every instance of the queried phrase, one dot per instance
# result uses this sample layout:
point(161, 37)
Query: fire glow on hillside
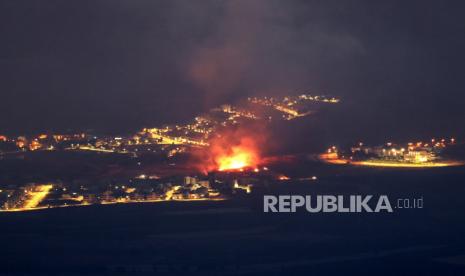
point(237, 156)
point(231, 150)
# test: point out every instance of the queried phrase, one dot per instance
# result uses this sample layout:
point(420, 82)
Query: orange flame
point(238, 157)
point(231, 149)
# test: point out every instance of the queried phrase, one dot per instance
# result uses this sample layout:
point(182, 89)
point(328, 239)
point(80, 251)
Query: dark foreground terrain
point(236, 238)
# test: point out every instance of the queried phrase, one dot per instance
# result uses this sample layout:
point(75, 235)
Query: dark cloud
point(259, 47)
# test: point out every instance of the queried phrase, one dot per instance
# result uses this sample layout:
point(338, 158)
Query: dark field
point(236, 238)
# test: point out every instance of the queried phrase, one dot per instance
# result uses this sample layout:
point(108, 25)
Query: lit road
point(406, 165)
point(169, 193)
point(168, 140)
point(111, 203)
point(93, 149)
point(36, 196)
point(392, 164)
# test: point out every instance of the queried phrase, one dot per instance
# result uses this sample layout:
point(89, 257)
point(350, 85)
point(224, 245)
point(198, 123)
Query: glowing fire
point(237, 158)
point(234, 151)
point(231, 149)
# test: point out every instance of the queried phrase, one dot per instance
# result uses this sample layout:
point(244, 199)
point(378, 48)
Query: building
point(419, 156)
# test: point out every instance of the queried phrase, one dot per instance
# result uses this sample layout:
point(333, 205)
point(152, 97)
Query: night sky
point(117, 66)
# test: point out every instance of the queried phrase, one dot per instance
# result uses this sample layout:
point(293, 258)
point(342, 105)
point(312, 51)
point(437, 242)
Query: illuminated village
point(292, 107)
point(199, 161)
point(411, 155)
point(232, 170)
point(195, 133)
